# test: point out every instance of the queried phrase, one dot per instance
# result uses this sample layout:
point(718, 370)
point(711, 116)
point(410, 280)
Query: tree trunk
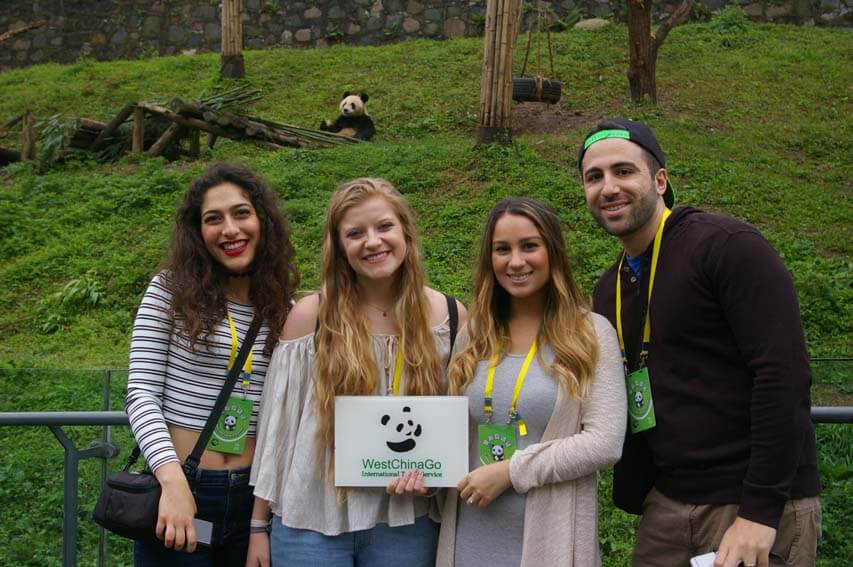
point(28, 137)
point(502, 21)
point(641, 66)
point(231, 61)
point(643, 46)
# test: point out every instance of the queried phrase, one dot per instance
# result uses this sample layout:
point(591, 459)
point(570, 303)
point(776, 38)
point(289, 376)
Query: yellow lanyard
point(519, 382)
point(246, 374)
point(647, 326)
point(398, 371)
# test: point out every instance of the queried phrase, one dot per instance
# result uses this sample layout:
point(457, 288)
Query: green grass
point(754, 119)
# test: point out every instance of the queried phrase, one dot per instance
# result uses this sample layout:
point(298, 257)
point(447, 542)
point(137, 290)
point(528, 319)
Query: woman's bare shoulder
point(302, 319)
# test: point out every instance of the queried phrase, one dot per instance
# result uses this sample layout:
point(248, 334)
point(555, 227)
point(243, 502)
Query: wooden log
point(157, 148)
point(28, 137)
point(138, 135)
point(9, 156)
point(190, 122)
point(187, 108)
point(119, 119)
point(194, 149)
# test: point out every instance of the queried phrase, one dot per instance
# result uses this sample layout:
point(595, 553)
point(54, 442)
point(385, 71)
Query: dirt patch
point(541, 118)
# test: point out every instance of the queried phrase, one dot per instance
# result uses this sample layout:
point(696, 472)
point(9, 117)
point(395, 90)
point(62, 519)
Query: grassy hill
point(755, 120)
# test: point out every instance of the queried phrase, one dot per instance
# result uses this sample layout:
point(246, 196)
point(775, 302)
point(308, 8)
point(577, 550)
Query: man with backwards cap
point(720, 451)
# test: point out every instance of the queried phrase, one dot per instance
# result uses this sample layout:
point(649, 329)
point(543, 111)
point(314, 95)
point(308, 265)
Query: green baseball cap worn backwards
point(633, 131)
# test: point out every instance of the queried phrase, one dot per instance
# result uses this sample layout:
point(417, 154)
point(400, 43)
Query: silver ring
point(471, 501)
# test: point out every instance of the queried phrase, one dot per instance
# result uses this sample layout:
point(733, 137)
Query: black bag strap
point(191, 464)
point(453, 315)
point(192, 461)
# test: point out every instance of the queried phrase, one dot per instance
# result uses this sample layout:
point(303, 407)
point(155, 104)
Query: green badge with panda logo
point(229, 435)
point(496, 442)
point(641, 409)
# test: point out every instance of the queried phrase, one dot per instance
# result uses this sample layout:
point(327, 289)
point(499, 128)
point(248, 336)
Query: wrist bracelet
point(259, 526)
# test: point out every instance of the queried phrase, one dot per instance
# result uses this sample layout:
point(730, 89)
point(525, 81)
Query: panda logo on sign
point(404, 429)
point(638, 399)
point(230, 422)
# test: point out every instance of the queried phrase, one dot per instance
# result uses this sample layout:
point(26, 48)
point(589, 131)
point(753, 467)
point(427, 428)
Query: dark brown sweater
point(729, 372)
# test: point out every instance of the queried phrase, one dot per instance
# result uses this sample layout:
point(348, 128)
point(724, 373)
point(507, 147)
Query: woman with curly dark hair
point(230, 260)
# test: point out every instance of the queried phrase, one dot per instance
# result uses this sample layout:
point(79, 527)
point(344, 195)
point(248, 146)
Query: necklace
point(381, 310)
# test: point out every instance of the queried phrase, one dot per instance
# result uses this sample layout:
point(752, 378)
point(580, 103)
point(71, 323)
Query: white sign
point(378, 438)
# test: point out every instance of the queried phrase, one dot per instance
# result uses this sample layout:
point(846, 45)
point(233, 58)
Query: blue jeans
point(223, 498)
point(380, 546)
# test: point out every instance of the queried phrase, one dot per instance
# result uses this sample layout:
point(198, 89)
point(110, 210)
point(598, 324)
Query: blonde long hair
point(344, 364)
point(566, 325)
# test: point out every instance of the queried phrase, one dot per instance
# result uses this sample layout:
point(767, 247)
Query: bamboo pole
point(138, 136)
point(503, 30)
point(502, 23)
point(231, 62)
point(488, 63)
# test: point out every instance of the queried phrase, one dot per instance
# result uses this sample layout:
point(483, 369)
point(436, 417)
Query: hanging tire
point(524, 90)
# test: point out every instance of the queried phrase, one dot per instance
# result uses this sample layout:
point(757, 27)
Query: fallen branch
point(4, 129)
point(15, 31)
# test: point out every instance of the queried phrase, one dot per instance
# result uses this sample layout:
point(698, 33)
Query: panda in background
point(353, 121)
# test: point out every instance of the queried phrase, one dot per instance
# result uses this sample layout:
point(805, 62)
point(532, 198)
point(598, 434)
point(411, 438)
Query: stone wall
point(66, 30)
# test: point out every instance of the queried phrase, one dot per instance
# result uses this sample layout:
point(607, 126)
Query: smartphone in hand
point(706, 560)
point(203, 531)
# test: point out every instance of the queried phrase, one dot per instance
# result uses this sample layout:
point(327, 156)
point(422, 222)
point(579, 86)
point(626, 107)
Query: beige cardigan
point(558, 474)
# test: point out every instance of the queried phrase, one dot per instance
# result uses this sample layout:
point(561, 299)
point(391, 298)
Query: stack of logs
point(185, 120)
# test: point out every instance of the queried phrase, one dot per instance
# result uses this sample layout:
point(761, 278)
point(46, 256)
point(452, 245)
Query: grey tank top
point(493, 536)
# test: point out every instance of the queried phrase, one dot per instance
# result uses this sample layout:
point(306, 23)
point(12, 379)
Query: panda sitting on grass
point(353, 120)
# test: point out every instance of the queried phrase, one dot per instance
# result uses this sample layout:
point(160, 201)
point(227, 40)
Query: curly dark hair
point(196, 280)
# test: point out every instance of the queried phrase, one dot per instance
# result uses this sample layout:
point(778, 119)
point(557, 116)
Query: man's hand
point(484, 484)
point(747, 542)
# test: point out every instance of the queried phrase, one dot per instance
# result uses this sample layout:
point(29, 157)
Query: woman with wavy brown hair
point(230, 261)
point(546, 399)
point(373, 306)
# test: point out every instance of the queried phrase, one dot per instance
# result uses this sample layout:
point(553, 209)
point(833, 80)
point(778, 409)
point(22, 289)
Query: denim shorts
point(380, 546)
point(223, 498)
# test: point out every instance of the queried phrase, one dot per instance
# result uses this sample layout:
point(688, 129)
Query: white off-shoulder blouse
point(285, 470)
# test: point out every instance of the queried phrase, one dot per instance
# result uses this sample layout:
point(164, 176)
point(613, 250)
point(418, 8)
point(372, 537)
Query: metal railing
point(105, 449)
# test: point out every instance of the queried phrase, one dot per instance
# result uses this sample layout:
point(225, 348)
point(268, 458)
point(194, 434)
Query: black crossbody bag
point(129, 501)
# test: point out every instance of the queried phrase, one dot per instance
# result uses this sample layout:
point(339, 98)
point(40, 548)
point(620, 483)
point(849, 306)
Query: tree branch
point(673, 20)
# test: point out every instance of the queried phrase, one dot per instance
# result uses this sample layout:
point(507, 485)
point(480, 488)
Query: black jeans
point(223, 498)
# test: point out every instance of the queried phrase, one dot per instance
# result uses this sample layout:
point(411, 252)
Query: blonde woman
point(545, 385)
point(373, 304)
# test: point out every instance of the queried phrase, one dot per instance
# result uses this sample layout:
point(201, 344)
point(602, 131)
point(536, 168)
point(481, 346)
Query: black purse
point(129, 501)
